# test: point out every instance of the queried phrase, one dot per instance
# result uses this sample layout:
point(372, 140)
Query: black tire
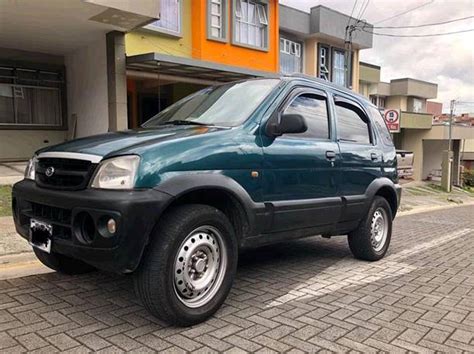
point(63, 264)
point(360, 240)
point(155, 278)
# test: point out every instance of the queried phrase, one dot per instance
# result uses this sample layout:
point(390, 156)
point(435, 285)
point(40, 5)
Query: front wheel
point(371, 239)
point(189, 266)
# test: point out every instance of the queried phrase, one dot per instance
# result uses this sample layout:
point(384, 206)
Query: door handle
point(330, 155)
point(374, 156)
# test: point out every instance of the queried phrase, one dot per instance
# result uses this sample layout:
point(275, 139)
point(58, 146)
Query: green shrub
point(468, 178)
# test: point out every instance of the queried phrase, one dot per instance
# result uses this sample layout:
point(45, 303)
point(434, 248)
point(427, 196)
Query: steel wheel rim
point(379, 229)
point(199, 266)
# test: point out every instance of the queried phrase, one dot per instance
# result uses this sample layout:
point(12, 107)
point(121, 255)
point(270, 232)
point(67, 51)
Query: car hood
point(128, 141)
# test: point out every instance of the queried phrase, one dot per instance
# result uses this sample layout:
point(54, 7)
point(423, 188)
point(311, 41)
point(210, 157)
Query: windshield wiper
point(185, 122)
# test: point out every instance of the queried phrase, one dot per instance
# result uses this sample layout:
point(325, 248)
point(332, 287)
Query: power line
point(427, 24)
point(362, 10)
point(352, 12)
point(417, 35)
point(404, 12)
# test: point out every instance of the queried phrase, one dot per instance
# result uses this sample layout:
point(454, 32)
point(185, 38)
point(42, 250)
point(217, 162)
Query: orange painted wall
point(227, 53)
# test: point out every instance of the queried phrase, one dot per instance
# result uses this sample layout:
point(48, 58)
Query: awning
point(192, 69)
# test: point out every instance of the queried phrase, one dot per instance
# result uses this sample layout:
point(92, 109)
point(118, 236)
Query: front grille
point(68, 174)
point(60, 218)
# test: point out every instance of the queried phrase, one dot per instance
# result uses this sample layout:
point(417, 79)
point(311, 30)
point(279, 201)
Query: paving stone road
point(303, 296)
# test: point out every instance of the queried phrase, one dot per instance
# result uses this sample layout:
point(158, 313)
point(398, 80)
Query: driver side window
point(315, 112)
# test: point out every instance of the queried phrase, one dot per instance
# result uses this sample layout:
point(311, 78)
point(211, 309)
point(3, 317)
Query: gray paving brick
point(462, 336)
point(62, 341)
point(93, 341)
point(153, 342)
point(6, 341)
point(31, 341)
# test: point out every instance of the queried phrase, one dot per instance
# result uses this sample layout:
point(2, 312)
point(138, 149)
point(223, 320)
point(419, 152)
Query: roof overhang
point(178, 67)
point(60, 27)
point(325, 24)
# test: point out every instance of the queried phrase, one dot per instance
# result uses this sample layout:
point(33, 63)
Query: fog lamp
point(111, 226)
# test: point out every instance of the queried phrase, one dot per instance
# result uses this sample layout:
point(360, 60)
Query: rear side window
point(352, 124)
point(314, 110)
point(381, 127)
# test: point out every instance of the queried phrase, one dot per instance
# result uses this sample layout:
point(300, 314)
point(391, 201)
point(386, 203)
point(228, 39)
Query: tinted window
point(314, 109)
point(381, 126)
point(352, 124)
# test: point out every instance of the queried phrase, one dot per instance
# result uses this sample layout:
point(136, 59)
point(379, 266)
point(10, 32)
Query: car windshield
point(226, 105)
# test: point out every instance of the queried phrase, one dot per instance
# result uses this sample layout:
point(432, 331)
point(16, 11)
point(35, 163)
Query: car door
point(299, 179)
point(360, 160)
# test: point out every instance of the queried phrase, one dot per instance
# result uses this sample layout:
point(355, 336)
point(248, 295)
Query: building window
point(290, 56)
point(417, 105)
point(381, 103)
point(339, 68)
point(250, 23)
point(30, 98)
point(170, 18)
point(332, 65)
point(217, 19)
point(378, 101)
point(324, 62)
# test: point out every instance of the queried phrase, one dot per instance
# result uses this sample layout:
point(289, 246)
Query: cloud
point(445, 60)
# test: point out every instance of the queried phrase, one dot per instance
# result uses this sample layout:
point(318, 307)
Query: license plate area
point(41, 234)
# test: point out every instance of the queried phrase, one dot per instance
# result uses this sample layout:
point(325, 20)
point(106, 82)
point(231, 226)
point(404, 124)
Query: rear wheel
point(371, 239)
point(189, 266)
point(63, 264)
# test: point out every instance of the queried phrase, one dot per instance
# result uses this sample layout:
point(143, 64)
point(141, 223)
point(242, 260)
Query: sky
point(445, 60)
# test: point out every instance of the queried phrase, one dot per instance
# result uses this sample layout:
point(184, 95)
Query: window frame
point(358, 106)
point(288, 100)
point(286, 49)
point(62, 89)
point(224, 38)
point(337, 50)
point(168, 32)
point(328, 61)
point(265, 38)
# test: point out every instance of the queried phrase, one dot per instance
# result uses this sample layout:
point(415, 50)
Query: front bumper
point(135, 212)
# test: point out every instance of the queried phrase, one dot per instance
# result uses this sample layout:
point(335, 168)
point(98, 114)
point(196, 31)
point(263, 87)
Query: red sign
point(392, 118)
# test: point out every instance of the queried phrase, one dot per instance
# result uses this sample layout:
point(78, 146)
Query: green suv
point(238, 165)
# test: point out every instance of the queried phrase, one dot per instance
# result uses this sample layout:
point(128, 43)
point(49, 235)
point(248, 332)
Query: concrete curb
point(432, 208)
point(21, 265)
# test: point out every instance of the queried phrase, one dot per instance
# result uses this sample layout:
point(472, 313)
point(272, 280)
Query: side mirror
point(289, 124)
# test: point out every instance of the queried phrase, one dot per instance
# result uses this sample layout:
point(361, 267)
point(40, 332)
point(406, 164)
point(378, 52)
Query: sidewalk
point(428, 195)
point(11, 172)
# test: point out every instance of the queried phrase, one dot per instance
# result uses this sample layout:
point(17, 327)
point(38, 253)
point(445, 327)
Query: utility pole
point(447, 161)
point(348, 53)
point(451, 113)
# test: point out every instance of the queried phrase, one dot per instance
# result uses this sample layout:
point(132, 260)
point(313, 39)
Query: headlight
point(31, 168)
point(116, 173)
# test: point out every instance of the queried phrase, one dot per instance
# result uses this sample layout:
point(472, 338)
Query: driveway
point(305, 295)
